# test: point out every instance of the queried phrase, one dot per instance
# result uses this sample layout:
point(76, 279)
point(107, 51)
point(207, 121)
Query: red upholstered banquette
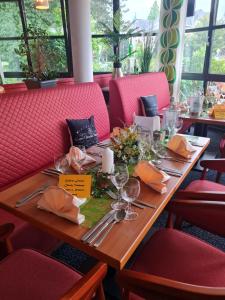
point(126, 91)
point(33, 130)
point(15, 87)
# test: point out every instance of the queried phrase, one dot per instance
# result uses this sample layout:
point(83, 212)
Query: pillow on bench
point(149, 105)
point(82, 132)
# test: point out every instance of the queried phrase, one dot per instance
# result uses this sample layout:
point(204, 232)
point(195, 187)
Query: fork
point(30, 196)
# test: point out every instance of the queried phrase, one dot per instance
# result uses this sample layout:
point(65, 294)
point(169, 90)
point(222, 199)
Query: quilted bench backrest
point(33, 127)
point(125, 92)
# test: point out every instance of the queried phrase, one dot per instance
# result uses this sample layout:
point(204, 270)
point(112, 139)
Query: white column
point(80, 27)
point(1, 73)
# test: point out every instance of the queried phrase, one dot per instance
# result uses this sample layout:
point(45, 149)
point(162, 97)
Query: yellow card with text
point(77, 185)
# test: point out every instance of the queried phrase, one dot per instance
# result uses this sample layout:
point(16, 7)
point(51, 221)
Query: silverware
point(180, 160)
point(114, 197)
point(145, 203)
point(30, 196)
point(50, 173)
point(92, 239)
point(137, 204)
point(86, 236)
point(170, 171)
point(118, 217)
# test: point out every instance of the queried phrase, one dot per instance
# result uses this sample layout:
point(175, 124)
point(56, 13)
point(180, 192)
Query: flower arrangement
point(125, 144)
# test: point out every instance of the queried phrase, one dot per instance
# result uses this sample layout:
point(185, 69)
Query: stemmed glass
point(61, 163)
point(156, 146)
point(79, 159)
point(130, 192)
point(178, 124)
point(119, 177)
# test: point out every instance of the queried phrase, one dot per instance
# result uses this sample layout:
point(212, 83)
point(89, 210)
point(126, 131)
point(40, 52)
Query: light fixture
point(41, 4)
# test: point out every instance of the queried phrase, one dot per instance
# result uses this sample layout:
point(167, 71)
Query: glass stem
point(119, 195)
point(129, 208)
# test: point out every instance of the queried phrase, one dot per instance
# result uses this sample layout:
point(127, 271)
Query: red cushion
point(178, 256)
point(222, 147)
point(33, 126)
point(102, 79)
point(27, 274)
point(205, 185)
point(27, 236)
point(125, 93)
point(67, 81)
point(15, 87)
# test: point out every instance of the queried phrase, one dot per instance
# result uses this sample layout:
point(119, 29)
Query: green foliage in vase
point(122, 31)
point(149, 46)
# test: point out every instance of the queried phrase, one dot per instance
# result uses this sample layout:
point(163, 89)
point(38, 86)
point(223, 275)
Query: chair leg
point(100, 295)
point(170, 220)
point(178, 222)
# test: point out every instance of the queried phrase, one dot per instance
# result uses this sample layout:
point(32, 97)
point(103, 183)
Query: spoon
point(118, 217)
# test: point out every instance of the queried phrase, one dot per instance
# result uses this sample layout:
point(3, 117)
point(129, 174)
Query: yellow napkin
point(181, 146)
point(77, 158)
point(151, 176)
point(62, 204)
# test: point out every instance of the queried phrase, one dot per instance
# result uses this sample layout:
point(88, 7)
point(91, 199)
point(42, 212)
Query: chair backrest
point(103, 79)
point(125, 95)
point(33, 127)
point(222, 147)
point(15, 87)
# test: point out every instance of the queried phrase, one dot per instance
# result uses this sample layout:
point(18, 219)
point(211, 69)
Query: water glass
point(119, 177)
point(78, 160)
point(61, 163)
point(130, 193)
point(156, 146)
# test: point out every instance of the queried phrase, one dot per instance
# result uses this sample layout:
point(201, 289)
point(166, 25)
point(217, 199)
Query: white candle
point(107, 161)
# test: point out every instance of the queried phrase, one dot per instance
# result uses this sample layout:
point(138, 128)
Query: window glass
point(201, 15)
point(194, 51)
point(10, 60)
point(102, 55)
point(145, 13)
point(101, 11)
point(220, 19)
point(217, 60)
point(50, 20)
point(217, 89)
point(54, 55)
point(189, 88)
point(10, 24)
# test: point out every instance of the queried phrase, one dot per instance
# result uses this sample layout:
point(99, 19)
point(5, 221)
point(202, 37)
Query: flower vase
point(117, 71)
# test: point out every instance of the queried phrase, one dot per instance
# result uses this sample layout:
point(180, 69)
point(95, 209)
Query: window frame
point(65, 37)
point(206, 76)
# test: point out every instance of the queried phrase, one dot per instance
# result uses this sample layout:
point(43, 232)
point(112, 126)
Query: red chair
point(65, 81)
point(222, 147)
point(174, 265)
point(27, 274)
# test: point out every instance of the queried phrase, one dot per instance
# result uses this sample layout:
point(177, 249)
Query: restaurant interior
point(112, 149)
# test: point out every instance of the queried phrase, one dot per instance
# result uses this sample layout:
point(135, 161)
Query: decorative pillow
point(149, 105)
point(83, 132)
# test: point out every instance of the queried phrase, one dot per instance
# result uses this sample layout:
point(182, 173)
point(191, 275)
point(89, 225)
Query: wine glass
point(130, 192)
point(79, 158)
point(156, 146)
point(178, 124)
point(119, 177)
point(144, 145)
point(61, 163)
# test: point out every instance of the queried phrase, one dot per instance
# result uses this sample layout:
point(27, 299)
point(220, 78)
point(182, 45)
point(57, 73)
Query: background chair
point(28, 274)
point(175, 265)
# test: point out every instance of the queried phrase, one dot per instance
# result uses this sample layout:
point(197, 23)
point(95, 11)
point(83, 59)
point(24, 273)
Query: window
point(16, 16)
point(204, 47)
point(144, 16)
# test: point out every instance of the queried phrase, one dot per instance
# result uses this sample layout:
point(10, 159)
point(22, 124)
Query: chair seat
point(178, 256)
point(205, 185)
point(27, 236)
point(27, 274)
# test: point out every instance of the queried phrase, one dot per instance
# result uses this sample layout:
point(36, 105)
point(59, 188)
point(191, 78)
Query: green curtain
point(170, 38)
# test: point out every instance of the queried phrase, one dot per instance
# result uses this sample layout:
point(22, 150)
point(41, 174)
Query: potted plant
point(114, 39)
point(34, 46)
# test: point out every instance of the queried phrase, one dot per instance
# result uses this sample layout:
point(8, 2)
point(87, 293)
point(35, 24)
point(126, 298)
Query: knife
point(32, 195)
point(145, 204)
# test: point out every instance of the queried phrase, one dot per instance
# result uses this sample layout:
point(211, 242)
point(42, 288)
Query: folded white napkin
point(151, 176)
point(181, 146)
point(61, 203)
point(77, 158)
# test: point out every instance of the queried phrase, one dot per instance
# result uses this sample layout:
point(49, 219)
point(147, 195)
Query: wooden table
point(202, 121)
point(125, 237)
